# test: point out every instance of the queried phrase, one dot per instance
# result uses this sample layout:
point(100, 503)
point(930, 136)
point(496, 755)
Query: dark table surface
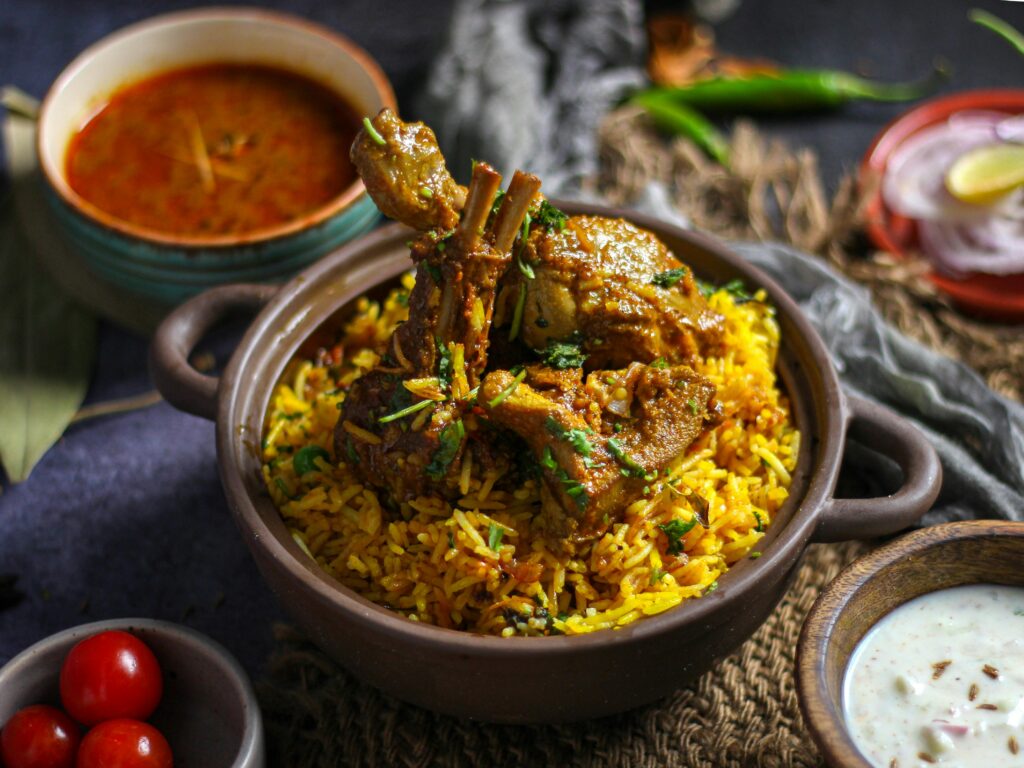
point(125, 515)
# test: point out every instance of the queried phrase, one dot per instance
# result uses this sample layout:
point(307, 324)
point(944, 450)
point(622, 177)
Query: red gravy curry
point(215, 150)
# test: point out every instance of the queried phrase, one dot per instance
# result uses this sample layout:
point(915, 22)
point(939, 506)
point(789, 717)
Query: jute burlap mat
point(745, 711)
point(742, 713)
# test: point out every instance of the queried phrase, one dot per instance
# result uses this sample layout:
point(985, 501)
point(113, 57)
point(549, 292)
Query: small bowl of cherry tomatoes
point(131, 693)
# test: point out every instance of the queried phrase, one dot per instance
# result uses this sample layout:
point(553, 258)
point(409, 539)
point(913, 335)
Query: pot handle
point(182, 385)
point(882, 430)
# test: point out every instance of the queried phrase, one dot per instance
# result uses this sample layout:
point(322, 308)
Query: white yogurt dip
point(940, 681)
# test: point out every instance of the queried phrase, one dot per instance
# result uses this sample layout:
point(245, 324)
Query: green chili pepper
point(791, 91)
point(1003, 29)
point(670, 115)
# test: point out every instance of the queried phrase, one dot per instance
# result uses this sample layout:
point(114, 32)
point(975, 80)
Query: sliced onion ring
point(914, 182)
point(994, 246)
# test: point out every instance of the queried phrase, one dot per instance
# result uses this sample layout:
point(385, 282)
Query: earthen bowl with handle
point(528, 679)
point(934, 558)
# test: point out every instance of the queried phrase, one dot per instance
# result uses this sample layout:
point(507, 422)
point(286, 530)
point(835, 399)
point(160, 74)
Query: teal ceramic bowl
point(166, 268)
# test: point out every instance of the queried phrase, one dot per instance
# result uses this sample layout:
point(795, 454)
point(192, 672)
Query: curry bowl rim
point(54, 176)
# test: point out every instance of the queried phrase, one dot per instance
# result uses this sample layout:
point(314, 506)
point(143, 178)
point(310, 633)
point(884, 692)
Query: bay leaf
point(46, 356)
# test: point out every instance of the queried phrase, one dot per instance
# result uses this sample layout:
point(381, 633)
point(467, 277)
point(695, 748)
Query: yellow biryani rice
point(476, 564)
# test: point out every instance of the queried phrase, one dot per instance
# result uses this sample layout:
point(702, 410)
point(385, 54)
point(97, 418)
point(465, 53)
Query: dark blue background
point(125, 515)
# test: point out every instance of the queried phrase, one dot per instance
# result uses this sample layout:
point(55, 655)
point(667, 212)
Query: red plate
point(999, 297)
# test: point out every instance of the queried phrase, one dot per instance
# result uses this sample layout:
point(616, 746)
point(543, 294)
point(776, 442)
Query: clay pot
point(529, 679)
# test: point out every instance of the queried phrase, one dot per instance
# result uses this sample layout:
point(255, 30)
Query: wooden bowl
point(949, 555)
point(208, 711)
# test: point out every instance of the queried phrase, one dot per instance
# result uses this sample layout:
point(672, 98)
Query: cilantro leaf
point(497, 202)
point(669, 277)
point(738, 292)
point(550, 217)
point(572, 487)
point(444, 365)
point(675, 530)
point(618, 450)
point(575, 437)
point(451, 440)
point(563, 354)
point(494, 534)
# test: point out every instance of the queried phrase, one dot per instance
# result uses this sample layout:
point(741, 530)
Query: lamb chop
point(613, 286)
point(404, 172)
point(410, 448)
point(599, 444)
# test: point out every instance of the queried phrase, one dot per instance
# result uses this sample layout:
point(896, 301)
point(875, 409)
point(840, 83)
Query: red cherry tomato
point(124, 744)
point(39, 737)
point(110, 675)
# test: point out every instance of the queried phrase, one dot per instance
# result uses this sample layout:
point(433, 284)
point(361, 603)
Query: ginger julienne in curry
point(552, 427)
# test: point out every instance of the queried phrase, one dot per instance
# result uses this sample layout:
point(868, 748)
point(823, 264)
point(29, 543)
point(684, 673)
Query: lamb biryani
point(551, 427)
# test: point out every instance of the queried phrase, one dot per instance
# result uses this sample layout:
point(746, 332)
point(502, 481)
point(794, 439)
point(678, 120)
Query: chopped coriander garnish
point(494, 534)
point(305, 459)
point(657, 575)
point(444, 365)
point(760, 521)
point(451, 540)
point(517, 314)
point(503, 395)
point(563, 354)
point(550, 217)
point(669, 277)
point(575, 437)
point(693, 406)
point(619, 452)
point(711, 588)
point(350, 449)
point(754, 555)
point(524, 266)
point(414, 408)
point(433, 271)
point(661, 363)
point(283, 488)
point(737, 290)
point(496, 205)
point(372, 132)
point(451, 440)
point(675, 530)
point(572, 487)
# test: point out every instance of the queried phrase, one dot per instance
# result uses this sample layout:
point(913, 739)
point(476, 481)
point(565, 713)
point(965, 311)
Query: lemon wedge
point(984, 174)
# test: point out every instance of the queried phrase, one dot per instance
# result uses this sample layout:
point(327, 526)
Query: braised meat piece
point(615, 286)
point(591, 471)
point(401, 423)
point(405, 173)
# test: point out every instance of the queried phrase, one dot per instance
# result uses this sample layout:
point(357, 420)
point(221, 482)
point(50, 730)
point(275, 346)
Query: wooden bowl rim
point(822, 714)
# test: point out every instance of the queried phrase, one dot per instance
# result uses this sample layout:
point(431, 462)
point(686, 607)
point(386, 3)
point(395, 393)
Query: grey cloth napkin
point(524, 85)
